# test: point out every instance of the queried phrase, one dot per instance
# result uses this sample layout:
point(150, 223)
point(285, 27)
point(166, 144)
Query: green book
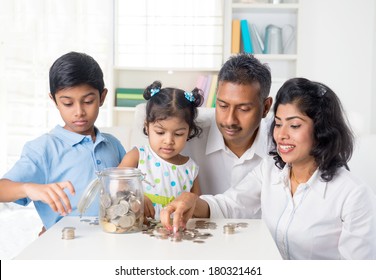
point(130, 90)
point(129, 102)
point(135, 96)
point(214, 100)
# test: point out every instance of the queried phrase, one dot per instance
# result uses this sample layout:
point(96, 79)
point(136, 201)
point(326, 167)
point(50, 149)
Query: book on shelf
point(213, 86)
point(257, 43)
point(235, 36)
point(130, 90)
point(207, 89)
point(246, 38)
point(129, 97)
point(129, 102)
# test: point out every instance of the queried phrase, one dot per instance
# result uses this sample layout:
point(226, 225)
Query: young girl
point(169, 124)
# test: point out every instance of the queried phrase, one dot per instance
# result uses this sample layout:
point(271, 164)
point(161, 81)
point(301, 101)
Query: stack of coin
point(68, 233)
point(202, 224)
point(228, 229)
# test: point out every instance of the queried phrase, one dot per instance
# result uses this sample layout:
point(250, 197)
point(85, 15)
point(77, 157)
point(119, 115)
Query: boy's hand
point(52, 194)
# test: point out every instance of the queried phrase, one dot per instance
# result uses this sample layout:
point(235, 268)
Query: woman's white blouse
point(323, 220)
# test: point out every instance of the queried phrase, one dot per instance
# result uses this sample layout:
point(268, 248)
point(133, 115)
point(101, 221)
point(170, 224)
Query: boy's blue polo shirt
point(62, 155)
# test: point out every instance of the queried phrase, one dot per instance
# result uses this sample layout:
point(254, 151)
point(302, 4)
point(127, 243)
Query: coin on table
point(68, 233)
point(161, 231)
point(177, 237)
point(228, 229)
point(242, 225)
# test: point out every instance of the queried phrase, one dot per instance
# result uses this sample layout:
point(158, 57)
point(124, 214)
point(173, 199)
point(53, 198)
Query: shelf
point(277, 57)
point(124, 109)
point(164, 69)
point(258, 7)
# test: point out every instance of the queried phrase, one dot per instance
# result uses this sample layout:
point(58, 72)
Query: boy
point(55, 169)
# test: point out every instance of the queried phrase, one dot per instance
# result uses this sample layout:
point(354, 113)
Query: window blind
point(169, 33)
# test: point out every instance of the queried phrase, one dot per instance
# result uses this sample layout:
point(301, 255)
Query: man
point(231, 148)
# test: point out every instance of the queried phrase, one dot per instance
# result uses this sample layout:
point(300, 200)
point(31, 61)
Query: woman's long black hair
point(333, 137)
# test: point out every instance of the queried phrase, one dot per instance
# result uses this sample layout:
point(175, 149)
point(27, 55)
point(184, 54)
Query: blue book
point(247, 43)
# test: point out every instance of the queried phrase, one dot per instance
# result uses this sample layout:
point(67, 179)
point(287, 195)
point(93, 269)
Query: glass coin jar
point(121, 199)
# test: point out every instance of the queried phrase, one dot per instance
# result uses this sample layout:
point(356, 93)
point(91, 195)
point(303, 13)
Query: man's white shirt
point(220, 168)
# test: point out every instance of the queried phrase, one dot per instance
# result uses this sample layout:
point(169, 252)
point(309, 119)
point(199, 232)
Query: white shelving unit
point(283, 66)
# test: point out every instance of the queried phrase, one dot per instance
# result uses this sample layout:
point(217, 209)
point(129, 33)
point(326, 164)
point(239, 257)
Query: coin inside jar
point(127, 220)
point(108, 227)
point(135, 205)
point(105, 200)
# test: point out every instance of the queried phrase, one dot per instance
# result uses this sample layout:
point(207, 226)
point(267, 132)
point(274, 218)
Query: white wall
point(337, 46)
point(373, 121)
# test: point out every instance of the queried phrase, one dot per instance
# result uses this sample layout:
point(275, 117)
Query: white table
point(91, 243)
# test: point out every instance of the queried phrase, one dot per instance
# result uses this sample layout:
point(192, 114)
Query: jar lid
point(88, 196)
point(94, 187)
point(120, 172)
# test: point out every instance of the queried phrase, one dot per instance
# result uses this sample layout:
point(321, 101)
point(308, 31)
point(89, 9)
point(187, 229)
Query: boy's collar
point(73, 138)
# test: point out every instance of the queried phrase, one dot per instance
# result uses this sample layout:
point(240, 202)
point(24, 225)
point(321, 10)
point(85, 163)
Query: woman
point(314, 207)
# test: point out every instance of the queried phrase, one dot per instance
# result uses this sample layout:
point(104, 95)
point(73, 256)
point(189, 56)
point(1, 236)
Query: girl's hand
point(149, 211)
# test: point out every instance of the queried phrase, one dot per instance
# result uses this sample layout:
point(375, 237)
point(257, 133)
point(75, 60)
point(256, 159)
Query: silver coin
point(124, 204)
point(120, 209)
point(161, 231)
point(68, 233)
point(111, 212)
point(127, 221)
point(228, 229)
point(105, 200)
point(177, 237)
point(135, 205)
point(242, 225)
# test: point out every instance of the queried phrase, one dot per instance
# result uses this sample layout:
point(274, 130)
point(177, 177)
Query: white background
point(337, 46)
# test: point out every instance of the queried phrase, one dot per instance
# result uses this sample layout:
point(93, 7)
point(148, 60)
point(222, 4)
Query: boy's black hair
point(74, 69)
